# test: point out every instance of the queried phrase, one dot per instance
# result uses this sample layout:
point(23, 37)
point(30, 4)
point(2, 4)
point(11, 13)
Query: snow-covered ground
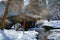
point(54, 36)
point(17, 35)
point(54, 24)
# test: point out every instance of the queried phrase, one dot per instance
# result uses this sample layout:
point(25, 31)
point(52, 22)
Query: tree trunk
point(5, 15)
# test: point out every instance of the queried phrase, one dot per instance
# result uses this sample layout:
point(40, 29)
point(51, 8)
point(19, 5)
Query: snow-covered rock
point(54, 36)
point(54, 24)
point(17, 35)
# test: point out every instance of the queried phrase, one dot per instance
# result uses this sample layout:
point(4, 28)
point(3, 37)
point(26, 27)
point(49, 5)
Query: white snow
point(17, 35)
point(26, 2)
point(54, 24)
point(41, 21)
point(2, 0)
point(54, 36)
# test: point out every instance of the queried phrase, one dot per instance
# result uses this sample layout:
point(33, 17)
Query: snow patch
point(54, 24)
point(17, 35)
